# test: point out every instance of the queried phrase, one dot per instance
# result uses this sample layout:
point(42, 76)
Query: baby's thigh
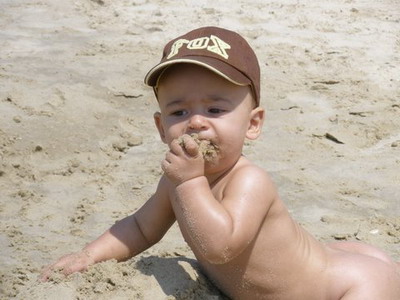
point(359, 276)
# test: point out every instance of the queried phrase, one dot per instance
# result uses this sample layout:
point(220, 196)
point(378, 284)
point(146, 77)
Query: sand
point(207, 149)
point(79, 150)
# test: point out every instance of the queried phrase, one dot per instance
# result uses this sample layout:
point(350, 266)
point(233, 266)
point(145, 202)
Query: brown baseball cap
point(220, 50)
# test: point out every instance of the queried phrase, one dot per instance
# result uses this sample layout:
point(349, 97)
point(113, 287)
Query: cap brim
point(219, 67)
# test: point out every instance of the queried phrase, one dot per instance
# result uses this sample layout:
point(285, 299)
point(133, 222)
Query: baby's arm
point(126, 238)
point(222, 230)
point(219, 230)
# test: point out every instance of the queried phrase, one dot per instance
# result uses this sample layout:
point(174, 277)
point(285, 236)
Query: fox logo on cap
point(213, 44)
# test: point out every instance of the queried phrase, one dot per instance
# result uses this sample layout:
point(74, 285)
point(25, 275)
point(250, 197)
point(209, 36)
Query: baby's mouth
point(207, 148)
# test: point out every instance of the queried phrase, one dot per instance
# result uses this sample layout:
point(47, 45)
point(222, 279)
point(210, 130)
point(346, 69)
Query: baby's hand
point(68, 264)
point(184, 160)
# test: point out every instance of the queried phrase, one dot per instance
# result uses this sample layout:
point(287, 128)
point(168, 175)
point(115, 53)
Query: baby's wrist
point(192, 182)
point(88, 255)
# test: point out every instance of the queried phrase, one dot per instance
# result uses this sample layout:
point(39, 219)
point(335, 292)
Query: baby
point(228, 210)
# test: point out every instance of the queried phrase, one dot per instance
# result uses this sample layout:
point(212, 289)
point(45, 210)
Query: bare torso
point(284, 262)
point(272, 264)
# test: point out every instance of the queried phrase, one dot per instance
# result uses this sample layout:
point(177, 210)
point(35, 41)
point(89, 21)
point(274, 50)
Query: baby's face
point(193, 99)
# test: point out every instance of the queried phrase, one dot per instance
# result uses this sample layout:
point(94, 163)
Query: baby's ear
point(158, 122)
point(256, 122)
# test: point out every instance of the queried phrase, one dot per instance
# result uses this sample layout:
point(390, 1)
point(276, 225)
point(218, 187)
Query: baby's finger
point(48, 272)
point(58, 265)
point(191, 147)
point(45, 274)
point(73, 267)
point(170, 157)
point(168, 160)
point(165, 165)
point(176, 147)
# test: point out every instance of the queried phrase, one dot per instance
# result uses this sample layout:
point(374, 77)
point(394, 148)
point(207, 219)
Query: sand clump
point(207, 148)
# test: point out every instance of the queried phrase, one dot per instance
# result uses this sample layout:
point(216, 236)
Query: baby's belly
point(244, 279)
point(271, 273)
point(238, 283)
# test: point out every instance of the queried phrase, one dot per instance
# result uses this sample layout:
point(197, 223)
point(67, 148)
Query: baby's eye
point(179, 113)
point(215, 110)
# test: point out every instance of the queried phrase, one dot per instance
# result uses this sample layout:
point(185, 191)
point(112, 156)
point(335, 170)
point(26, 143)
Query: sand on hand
point(206, 147)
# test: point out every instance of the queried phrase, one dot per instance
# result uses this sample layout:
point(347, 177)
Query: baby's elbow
point(153, 239)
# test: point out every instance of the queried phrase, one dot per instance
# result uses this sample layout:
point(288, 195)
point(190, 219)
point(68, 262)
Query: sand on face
point(79, 149)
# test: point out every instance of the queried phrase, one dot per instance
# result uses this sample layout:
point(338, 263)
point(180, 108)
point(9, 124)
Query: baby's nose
point(197, 122)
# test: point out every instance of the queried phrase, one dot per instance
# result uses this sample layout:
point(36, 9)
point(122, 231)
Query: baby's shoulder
point(248, 175)
point(246, 168)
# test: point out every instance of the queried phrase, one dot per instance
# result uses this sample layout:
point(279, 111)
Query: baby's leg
point(376, 280)
point(362, 275)
point(365, 249)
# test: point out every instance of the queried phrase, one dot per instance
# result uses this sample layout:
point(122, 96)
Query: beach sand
point(79, 149)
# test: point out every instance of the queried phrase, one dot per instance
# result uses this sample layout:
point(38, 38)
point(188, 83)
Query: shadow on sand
point(179, 277)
